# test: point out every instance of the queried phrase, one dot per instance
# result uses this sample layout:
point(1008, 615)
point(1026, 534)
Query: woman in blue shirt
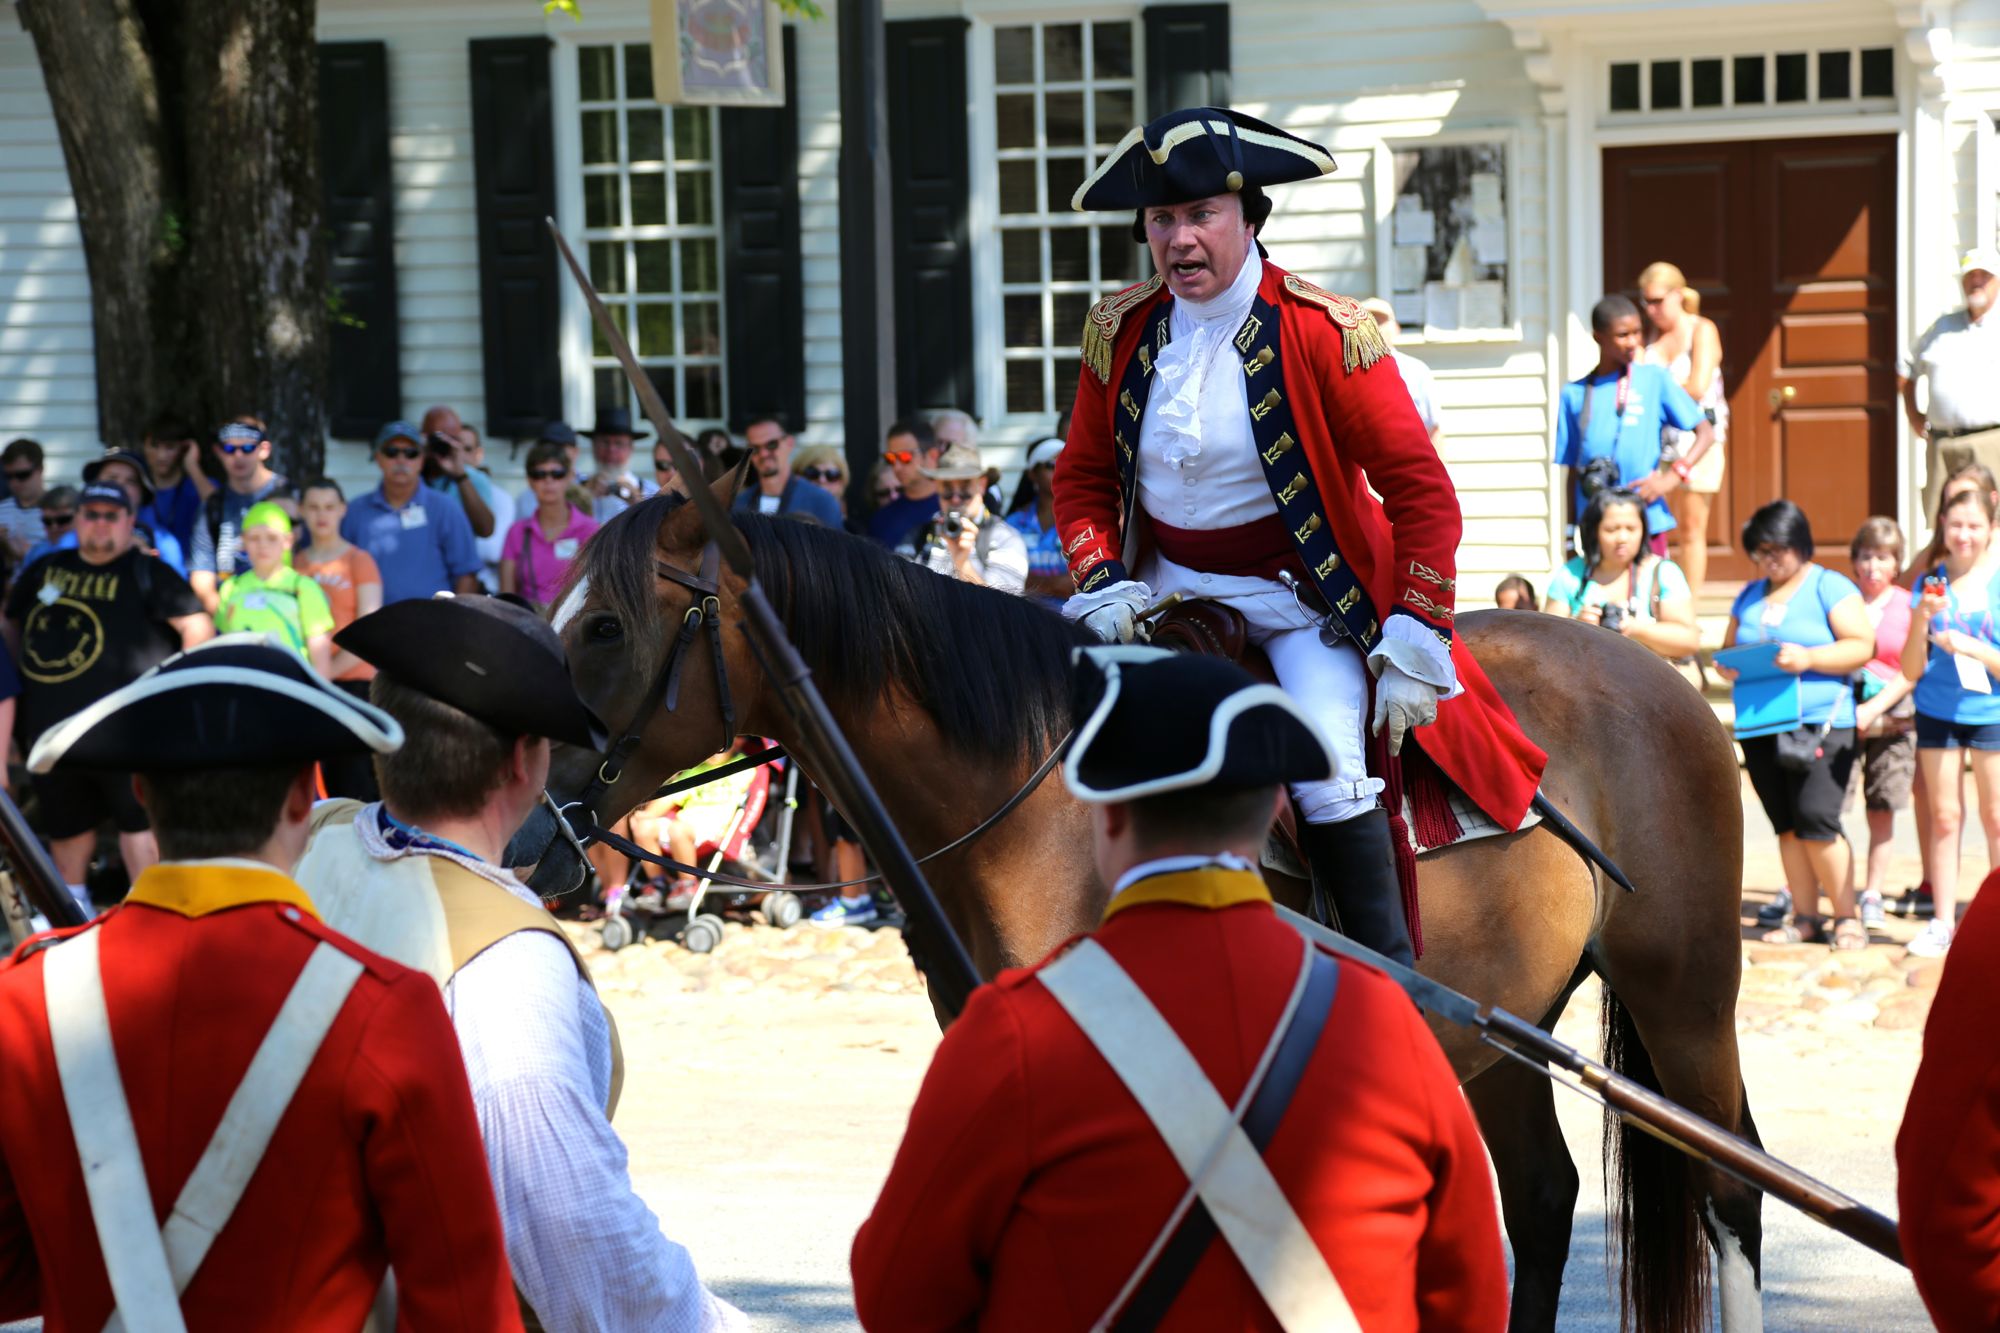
point(1820, 622)
point(1650, 595)
point(1956, 666)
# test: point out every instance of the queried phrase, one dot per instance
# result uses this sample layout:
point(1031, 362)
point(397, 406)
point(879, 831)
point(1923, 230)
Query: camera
point(1599, 474)
point(1611, 616)
point(441, 444)
point(951, 524)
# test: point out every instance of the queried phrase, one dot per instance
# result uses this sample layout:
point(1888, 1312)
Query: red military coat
point(377, 1162)
point(1030, 1183)
point(1948, 1151)
point(1331, 417)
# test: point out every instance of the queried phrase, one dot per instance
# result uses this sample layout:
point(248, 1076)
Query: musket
point(32, 870)
point(820, 745)
point(1637, 1105)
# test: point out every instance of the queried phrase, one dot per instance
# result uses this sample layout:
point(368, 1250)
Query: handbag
point(1801, 748)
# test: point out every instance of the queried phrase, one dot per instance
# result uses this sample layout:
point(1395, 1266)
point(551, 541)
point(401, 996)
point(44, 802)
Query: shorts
point(1706, 476)
point(1935, 733)
point(76, 803)
point(1888, 765)
point(1806, 804)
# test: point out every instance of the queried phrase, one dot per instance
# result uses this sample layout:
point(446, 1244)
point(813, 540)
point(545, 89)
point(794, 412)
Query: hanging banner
point(718, 53)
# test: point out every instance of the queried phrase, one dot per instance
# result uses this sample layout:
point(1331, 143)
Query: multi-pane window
point(1771, 78)
point(651, 219)
point(1065, 94)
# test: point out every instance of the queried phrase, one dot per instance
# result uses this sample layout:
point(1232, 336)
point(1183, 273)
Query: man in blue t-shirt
point(1617, 412)
point(911, 449)
point(419, 537)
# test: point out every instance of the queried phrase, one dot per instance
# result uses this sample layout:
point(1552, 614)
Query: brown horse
point(953, 695)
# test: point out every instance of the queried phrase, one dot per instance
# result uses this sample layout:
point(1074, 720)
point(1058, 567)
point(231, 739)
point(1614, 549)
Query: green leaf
point(569, 7)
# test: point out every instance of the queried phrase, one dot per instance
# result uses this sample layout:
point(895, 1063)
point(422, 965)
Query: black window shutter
point(364, 357)
point(929, 193)
point(513, 159)
point(1187, 57)
point(762, 268)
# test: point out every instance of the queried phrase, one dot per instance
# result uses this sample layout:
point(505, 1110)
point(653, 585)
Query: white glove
point(1402, 701)
point(1110, 613)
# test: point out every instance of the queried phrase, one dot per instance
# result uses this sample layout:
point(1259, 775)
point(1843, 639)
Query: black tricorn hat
point(615, 421)
point(1193, 154)
point(492, 659)
point(1150, 721)
point(238, 701)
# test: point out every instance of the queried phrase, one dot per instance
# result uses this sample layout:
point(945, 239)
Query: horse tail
point(1663, 1278)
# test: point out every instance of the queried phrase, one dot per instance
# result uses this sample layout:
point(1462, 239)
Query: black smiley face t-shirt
point(88, 629)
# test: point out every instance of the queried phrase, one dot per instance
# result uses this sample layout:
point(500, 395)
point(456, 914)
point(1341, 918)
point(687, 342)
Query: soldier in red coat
point(1232, 429)
point(1191, 1118)
point(272, 1115)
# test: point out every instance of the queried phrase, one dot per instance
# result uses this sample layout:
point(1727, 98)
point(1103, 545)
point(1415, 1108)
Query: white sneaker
point(1872, 914)
point(1932, 940)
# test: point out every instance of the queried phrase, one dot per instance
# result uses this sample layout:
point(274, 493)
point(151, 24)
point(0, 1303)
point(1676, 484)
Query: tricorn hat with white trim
point(1197, 153)
point(1150, 722)
point(239, 701)
point(490, 658)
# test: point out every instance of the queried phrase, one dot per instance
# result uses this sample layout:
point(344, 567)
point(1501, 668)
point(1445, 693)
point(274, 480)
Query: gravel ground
point(775, 1078)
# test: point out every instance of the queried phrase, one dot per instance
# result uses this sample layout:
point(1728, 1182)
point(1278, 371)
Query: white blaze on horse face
point(571, 604)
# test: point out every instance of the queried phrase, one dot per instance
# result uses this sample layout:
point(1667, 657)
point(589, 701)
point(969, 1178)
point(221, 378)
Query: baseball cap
point(1980, 257)
point(403, 430)
point(1379, 308)
point(95, 466)
point(104, 492)
point(557, 432)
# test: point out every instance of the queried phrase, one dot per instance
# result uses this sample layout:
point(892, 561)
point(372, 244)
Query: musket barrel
point(821, 747)
point(33, 870)
point(1703, 1138)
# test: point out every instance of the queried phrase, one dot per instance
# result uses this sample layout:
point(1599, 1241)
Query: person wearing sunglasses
point(539, 548)
point(419, 537)
point(58, 510)
point(20, 512)
point(823, 466)
point(778, 492)
point(80, 624)
point(908, 449)
point(967, 541)
point(247, 479)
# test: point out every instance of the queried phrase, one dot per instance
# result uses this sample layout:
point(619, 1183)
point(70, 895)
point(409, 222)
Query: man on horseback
point(1225, 417)
point(1190, 1118)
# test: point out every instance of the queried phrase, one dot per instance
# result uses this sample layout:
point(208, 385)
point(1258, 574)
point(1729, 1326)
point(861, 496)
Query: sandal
point(1804, 930)
point(1848, 935)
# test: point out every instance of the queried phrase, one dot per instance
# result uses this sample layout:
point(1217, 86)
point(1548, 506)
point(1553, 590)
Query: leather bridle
point(704, 617)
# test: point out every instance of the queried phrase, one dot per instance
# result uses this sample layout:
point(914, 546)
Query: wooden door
point(1791, 243)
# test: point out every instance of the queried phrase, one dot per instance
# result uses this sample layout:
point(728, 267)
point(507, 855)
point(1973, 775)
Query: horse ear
point(729, 483)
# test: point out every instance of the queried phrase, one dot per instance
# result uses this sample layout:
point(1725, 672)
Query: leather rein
point(705, 617)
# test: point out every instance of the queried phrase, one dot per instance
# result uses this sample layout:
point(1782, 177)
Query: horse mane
point(992, 669)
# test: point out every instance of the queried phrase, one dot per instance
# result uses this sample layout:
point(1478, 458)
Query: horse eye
point(606, 628)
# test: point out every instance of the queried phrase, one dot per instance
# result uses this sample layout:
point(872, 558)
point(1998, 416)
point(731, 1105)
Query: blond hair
point(1663, 272)
point(818, 455)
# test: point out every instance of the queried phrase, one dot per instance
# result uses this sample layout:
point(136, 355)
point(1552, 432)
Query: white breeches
point(1331, 683)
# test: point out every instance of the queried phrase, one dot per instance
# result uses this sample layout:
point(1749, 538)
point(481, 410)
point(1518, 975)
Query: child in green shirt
point(274, 599)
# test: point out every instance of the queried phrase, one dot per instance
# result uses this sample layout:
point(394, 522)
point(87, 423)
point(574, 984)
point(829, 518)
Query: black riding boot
point(1355, 867)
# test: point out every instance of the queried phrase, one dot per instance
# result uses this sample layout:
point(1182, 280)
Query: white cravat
point(1198, 466)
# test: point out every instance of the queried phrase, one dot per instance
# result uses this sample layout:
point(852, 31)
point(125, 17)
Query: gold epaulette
point(1361, 341)
point(1100, 327)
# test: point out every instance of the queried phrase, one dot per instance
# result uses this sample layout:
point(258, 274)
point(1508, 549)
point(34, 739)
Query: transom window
point(1839, 75)
point(1065, 93)
point(650, 218)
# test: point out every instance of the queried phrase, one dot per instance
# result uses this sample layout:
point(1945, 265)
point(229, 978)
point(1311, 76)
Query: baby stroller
point(630, 912)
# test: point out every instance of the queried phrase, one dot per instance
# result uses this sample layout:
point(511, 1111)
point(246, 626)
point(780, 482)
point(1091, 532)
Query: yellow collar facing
point(197, 888)
point(1213, 889)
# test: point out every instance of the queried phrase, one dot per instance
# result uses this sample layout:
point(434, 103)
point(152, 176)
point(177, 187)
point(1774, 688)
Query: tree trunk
point(190, 135)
